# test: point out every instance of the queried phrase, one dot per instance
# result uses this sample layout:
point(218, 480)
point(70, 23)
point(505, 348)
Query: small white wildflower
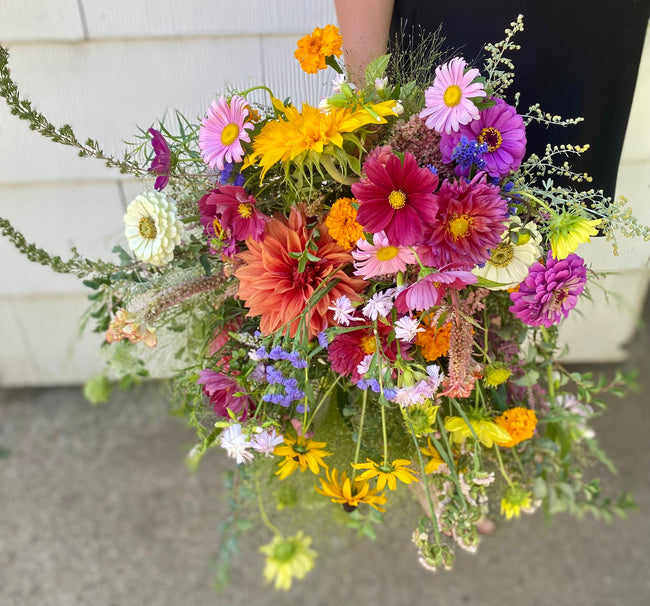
point(379, 305)
point(380, 84)
point(398, 110)
point(236, 444)
point(406, 329)
point(343, 311)
point(266, 441)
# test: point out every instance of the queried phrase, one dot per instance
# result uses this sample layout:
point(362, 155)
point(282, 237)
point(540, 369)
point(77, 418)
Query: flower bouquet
point(361, 299)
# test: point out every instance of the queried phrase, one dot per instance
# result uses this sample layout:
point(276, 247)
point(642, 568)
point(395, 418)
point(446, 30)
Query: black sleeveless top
point(576, 59)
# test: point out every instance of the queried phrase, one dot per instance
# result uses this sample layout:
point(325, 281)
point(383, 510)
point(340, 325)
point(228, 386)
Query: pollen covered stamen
point(453, 95)
point(245, 210)
point(492, 137)
point(229, 133)
point(368, 345)
point(386, 253)
point(459, 226)
point(397, 199)
point(501, 255)
point(147, 228)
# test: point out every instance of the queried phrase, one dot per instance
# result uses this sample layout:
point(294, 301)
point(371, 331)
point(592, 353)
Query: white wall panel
point(25, 20)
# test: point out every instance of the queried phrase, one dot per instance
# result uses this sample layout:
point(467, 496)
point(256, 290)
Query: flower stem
point(322, 400)
point(363, 416)
point(272, 527)
point(506, 477)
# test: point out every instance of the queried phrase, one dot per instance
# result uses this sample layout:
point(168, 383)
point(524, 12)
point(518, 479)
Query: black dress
point(576, 59)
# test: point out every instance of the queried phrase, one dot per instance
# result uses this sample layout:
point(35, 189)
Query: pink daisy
point(223, 130)
point(432, 288)
point(397, 198)
point(504, 132)
point(449, 100)
point(469, 223)
point(380, 258)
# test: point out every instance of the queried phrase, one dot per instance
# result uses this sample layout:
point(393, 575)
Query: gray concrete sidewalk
point(98, 509)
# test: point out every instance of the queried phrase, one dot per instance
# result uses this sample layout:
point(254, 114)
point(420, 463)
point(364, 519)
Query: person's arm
point(364, 25)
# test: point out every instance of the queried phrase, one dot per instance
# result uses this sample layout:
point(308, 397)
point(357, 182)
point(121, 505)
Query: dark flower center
point(492, 137)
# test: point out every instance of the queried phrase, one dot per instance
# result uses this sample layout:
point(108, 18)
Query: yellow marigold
point(434, 341)
point(315, 47)
point(519, 422)
point(310, 130)
point(342, 223)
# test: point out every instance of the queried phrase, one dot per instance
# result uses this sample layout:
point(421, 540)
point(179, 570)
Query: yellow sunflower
point(387, 473)
point(350, 494)
point(300, 453)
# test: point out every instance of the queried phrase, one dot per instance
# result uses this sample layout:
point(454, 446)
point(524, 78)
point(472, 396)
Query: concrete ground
point(98, 509)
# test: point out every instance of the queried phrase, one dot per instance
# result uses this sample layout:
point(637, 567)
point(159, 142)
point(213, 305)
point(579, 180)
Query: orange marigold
point(342, 223)
point(519, 422)
point(315, 47)
point(434, 341)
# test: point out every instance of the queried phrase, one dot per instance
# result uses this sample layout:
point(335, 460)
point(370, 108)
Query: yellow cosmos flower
point(567, 231)
point(310, 130)
point(487, 431)
point(300, 453)
point(386, 474)
point(520, 424)
point(350, 494)
point(288, 558)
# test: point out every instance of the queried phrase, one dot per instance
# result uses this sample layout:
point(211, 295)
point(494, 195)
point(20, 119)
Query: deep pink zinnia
point(431, 289)
point(469, 223)
point(504, 132)
point(221, 390)
point(397, 198)
point(549, 293)
point(161, 163)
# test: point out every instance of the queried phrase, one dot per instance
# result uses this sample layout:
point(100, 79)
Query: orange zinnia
point(272, 287)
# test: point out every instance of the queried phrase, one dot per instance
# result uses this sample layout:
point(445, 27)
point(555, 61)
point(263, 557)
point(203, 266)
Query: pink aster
point(469, 223)
point(397, 198)
point(449, 100)
point(161, 163)
point(549, 293)
point(221, 389)
point(223, 130)
point(504, 132)
point(431, 289)
point(380, 258)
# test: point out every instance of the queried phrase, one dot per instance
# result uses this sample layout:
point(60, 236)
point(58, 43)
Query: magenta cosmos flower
point(162, 161)
point(504, 132)
point(221, 390)
point(431, 289)
point(469, 223)
point(397, 198)
point(380, 258)
point(449, 100)
point(549, 293)
point(223, 130)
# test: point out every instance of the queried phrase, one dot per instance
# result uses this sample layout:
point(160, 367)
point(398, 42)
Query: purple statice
point(549, 292)
point(467, 153)
point(225, 394)
point(162, 161)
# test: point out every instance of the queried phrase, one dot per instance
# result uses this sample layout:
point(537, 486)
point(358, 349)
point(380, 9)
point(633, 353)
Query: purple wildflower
point(547, 295)
point(162, 161)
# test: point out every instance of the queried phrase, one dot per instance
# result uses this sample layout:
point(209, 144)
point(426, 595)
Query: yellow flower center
point(245, 210)
point(147, 228)
point(386, 253)
point(459, 226)
point(492, 137)
point(502, 255)
point(397, 199)
point(368, 344)
point(229, 134)
point(452, 95)
point(218, 230)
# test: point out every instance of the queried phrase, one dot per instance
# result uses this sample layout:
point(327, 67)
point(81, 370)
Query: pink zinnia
point(221, 390)
point(396, 198)
point(504, 132)
point(380, 258)
point(236, 213)
point(549, 293)
point(449, 101)
point(469, 223)
point(223, 130)
point(432, 288)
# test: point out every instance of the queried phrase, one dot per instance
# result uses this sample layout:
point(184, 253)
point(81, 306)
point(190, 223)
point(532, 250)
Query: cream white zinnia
point(509, 262)
point(152, 228)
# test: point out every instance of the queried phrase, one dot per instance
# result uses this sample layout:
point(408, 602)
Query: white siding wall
point(108, 67)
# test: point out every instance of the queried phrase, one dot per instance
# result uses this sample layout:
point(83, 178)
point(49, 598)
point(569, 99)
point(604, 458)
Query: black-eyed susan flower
point(300, 453)
point(288, 558)
point(386, 473)
point(350, 493)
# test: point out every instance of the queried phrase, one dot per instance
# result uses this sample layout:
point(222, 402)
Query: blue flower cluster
point(469, 152)
point(364, 384)
point(291, 392)
point(277, 353)
point(226, 173)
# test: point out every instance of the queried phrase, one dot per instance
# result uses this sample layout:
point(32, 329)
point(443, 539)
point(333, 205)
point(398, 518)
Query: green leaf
point(376, 69)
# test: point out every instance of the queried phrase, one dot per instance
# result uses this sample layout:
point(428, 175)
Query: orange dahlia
point(272, 286)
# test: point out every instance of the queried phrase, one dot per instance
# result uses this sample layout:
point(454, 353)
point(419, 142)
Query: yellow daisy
point(387, 473)
point(567, 231)
point(300, 453)
point(350, 494)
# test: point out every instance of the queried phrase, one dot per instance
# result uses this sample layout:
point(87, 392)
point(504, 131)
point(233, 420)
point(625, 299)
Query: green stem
point(260, 87)
point(361, 421)
point(506, 477)
point(272, 527)
point(322, 400)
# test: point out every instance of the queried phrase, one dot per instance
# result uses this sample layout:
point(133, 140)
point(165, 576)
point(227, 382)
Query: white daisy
point(379, 305)
point(152, 228)
point(343, 310)
point(236, 443)
point(509, 261)
point(406, 329)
